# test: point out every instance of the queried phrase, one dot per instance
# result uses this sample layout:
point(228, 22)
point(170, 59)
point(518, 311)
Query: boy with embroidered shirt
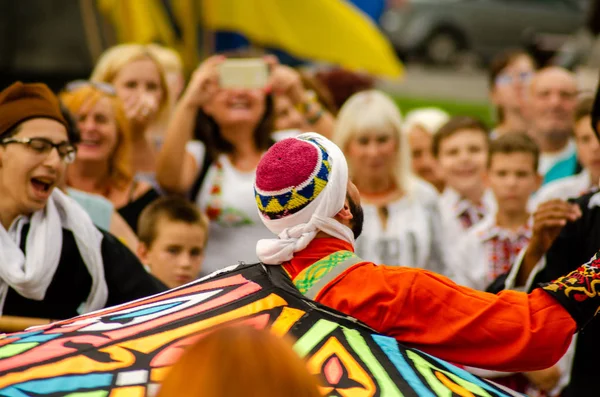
point(461, 147)
point(172, 233)
point(489, 248)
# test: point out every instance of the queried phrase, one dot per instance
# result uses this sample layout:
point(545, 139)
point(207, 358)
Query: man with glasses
point(54, 263)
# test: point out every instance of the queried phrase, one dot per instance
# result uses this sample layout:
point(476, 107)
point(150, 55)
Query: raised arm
point(176, 169)
point(549, 220)
point(120, 229)
point(284, 80)
point(511, 331)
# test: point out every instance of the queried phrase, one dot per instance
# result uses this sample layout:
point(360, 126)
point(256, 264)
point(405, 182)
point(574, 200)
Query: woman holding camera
point(236, 125)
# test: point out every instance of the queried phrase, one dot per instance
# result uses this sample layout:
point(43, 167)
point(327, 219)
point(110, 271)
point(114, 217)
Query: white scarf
point(31, 275)
point(296, 231)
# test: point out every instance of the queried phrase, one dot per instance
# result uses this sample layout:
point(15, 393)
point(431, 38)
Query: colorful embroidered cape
point(127, 350)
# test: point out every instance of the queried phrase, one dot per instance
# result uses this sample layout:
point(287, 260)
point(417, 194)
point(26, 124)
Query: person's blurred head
point(35, 147)
point(552, 103)
point(342, 83)
point(509, 77)
point(421, 125)
point(238, 110)
point(135, 73)
point(172, 65)
point(368, 130)
point(461, 147)
point(104, 128)
point(588, 147)
point(289, 117)
point(512, 171)
point(172, 233)
point(240, 361)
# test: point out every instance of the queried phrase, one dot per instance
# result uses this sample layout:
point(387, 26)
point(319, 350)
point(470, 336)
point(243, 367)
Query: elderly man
point(551, 114)
point(304, 196)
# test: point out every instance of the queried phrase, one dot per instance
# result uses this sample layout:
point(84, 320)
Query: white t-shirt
point(451, 207)
point(413, 236)
point(235, 226)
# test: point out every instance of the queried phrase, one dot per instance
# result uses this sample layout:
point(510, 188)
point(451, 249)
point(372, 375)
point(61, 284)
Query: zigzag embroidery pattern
point(276, 205)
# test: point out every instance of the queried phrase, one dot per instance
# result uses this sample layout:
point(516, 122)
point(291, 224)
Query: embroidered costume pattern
point(575, 290)
point(309, 276)
point(216, 212)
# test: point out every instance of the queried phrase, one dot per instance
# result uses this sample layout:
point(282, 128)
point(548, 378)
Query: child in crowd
point(172, 233)
point(489, 248)
point(461, 147)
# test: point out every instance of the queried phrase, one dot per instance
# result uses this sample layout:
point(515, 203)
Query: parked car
point(440, 30)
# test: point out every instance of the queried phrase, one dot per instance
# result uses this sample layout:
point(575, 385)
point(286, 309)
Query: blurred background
point(445, 46)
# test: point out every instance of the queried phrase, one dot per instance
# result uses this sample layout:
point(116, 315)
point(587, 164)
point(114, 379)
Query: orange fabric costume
point(511, 331)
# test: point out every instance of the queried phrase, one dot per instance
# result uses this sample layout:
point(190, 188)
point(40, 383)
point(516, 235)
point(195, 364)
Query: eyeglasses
point(507, 79)
point(104, 87)
point(43, 146)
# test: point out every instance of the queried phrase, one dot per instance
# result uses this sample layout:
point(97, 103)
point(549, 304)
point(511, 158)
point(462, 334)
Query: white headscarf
point(297, 230)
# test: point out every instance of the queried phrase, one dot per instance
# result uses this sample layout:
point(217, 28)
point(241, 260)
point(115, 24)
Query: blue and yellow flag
point(328, 30)
point(333, 31)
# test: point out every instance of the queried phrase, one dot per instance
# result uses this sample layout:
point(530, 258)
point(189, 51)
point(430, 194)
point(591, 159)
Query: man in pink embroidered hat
point(304, 195)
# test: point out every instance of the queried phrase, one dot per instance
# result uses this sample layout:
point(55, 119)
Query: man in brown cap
point(54, 263)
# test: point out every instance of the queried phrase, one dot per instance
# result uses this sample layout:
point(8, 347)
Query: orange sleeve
point(511, 331)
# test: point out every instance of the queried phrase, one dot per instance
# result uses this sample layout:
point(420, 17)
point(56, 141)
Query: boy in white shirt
point(461, 148)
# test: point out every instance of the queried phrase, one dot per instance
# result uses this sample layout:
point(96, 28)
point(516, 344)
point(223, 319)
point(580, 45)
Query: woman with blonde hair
point(103, 163)
point(240, 361)
point(139, 80)
point(401, 211)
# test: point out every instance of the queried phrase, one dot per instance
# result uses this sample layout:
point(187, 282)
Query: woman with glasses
point(103, 165)
point(509, 77)
point(54, 263)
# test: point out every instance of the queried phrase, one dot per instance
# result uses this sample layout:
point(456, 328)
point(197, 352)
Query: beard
point(358, 217)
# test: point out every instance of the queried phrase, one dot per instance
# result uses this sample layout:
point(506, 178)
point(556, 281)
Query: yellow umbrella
point(327, 30)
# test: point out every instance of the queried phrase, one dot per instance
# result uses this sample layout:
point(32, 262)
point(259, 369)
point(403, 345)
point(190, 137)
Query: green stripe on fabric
point(360, 346)
point(309, 276)
point(314, 336)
